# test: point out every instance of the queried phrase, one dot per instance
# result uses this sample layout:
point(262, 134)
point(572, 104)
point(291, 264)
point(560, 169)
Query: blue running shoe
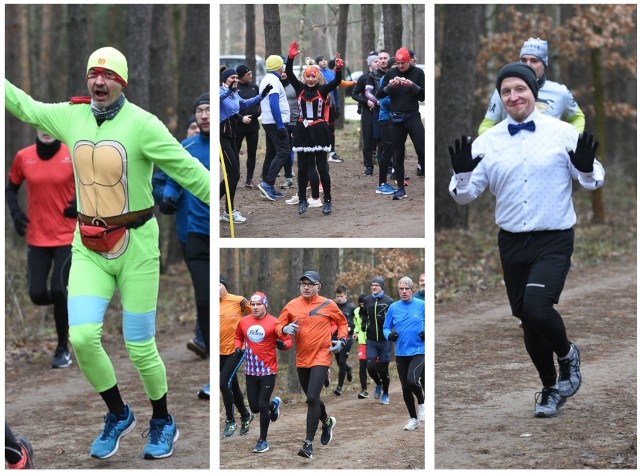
point(267, 191)
point(275, 412)
point(378, 391)
point(399, 194)
point(108, 441)
point(385, 189)
point(162, 434)
point(261, 447)
point(384, 400)
point(205, 392)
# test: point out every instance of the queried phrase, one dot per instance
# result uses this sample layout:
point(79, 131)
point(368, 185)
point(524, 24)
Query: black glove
point(266, 90)
point(582, 158)
point(461, 159)
point(393, 336)
point(238, 352)
point(168, 207)
point(71, 212)
point(20, 221)
point(280, 345)
point(421, 335)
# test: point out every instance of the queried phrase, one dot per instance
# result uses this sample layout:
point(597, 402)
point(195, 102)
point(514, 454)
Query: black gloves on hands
point(168, 207)
point(266, 90)
point(20, 221)
point(238, 352)
point(71, 212)
point(584, 155)
point(461, 159)
point(421, 335)
point(393, 336)
point(280, 345)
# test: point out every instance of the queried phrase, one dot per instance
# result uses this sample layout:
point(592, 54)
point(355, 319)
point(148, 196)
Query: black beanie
point(224, 282)
point(204, 98)
point(378, 280)
point(522, 71)
point(242, 70)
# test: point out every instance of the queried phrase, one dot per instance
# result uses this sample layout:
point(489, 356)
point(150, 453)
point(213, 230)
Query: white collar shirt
point(530, 174)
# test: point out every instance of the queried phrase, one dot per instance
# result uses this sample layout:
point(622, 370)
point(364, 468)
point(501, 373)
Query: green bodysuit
point(113, 165)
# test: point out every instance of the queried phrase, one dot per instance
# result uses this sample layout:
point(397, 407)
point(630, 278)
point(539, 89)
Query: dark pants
point(535, 267)
point(259, 390)
point(229, 386)
point(39, 262)
point(312, 381)
point(369, 142)
point(288, 166)
point(232, 168)
point(386, 156)
point(197, 250)
point(313, 167)
point(413, 128)
point(277, 154)
point(409, 371)
point(341, 358)
point(252, 146)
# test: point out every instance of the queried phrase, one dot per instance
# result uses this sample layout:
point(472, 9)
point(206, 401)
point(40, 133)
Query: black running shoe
point(306, 450)
point(327, 430)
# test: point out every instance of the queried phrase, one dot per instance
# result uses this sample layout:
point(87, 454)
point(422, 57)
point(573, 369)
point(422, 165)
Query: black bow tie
point(515, 129)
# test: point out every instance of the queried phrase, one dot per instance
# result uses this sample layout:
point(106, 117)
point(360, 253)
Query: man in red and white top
point(49, 223)
point(256, 337)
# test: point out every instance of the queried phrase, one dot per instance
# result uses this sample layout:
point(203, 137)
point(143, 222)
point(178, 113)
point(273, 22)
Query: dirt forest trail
point(485, 382)
point(61, 414)
point(367, 435)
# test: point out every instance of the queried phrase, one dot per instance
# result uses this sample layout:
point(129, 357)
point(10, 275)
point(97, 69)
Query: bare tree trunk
point(272, 37)
point(78, 50)
point(367, 34)
point(138, 53)
point(392, 17)
point(454, 101)
point(250, 37)
point(264, 269)
point(296, 261)
point(328, 271)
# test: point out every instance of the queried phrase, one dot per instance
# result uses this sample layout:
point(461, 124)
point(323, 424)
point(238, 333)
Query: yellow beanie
point(274, 63)
point(112, 59)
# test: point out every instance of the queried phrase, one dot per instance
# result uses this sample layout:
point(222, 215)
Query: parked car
point(234, 60)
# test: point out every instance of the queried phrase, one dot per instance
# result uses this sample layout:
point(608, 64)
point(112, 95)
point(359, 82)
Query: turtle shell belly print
point(101, 171)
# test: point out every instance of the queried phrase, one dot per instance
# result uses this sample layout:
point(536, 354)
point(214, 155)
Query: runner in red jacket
point(256, 338)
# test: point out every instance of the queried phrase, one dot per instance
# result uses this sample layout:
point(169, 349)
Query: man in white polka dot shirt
point(528, 161)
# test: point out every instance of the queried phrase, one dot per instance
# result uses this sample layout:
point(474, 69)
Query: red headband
point(101, 70)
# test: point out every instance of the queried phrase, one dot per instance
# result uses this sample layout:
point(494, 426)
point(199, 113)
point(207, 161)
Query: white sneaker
point(237, 217)
point(314, 202)
point(413, 424)
point(293, 200)
point(421, 412)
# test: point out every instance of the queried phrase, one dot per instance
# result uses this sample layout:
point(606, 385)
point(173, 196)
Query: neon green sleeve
point(485, 125)
point(577, 120)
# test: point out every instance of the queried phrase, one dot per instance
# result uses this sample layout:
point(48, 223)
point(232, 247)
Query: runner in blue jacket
point(404, 325)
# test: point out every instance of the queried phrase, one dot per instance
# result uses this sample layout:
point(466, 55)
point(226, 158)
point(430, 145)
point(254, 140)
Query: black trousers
point(312, 381)
point(535, 267)
point(413, 128)
point(409, 371)
point(259, 390)
point(341, 358)
point(313, 167)
point(197, 251)
point(252, 147)
point(232, 167)
point(277, 154)
point(39, 263)
point(369, 142)
point(229, 386)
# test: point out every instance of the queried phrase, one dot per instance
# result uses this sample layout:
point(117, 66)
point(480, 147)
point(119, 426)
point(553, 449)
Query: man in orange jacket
point(308, 320)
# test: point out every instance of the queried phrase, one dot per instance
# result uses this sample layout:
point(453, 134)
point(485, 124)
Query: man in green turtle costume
point(114, 146)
